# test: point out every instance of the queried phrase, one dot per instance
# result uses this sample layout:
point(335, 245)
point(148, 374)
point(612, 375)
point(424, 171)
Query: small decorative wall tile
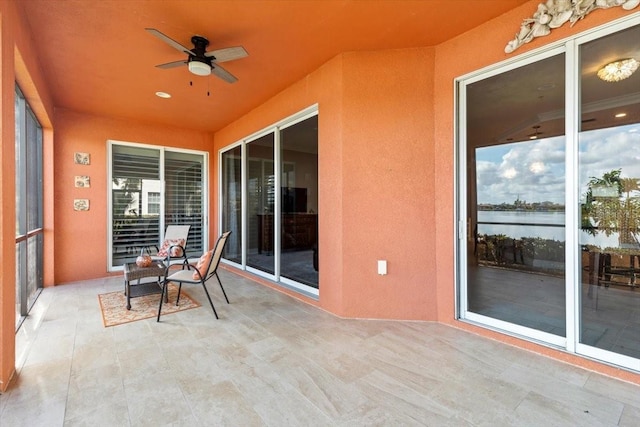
point(82, 181)
point(81, 204)
point(82, 158)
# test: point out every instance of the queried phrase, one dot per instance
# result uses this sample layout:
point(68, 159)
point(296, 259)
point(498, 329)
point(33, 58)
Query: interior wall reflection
point(516, 174)
point(231, 201)
point(260, 203)
point(299, 201)
point(609, 179)
point(278, 175)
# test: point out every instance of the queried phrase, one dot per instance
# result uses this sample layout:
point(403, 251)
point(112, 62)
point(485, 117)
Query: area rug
point(114, 306)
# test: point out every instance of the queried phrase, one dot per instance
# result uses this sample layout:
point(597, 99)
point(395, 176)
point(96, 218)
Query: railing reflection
point(523, 252)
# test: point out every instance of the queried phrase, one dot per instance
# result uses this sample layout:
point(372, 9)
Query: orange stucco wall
point(388, 185)
point(376, 172)
point(81, 237)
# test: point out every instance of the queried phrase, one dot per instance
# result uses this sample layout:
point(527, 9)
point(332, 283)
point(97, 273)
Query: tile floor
point(610, 315)
point(273, 361)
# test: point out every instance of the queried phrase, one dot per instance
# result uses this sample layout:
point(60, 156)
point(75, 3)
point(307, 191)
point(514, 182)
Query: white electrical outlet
point(382, 267)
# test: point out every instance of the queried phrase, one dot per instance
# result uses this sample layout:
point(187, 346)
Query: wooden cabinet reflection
point(299, 232)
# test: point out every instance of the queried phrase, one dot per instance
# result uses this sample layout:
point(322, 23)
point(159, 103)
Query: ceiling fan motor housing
point(199, 64)
point(199, 45)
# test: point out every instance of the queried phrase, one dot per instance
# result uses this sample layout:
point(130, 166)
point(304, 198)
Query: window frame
point(162, 166)
point(570, 343)
point(275, 129)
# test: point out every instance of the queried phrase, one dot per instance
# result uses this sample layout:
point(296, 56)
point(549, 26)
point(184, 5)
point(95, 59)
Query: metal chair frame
point(185, 275)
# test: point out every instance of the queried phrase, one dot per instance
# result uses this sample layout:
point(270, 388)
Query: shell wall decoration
point(555, 13)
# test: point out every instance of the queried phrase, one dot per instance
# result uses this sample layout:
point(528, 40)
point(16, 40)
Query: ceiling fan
point(199, 61)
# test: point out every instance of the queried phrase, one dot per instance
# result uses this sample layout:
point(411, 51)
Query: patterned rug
point(114, 306)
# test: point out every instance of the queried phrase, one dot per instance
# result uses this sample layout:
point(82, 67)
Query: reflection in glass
point(260, 204)
point(609, 174)
point(299, 201)
point(29, 207)
point(516, 191)
point(232, 203)
point(281, 212)
point(183, 198)
point(135, 173)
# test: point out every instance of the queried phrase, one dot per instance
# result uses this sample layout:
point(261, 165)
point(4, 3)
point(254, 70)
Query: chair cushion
point(175, 252)
point(202, 265)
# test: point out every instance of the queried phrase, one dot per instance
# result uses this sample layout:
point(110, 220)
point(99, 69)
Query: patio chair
point(174, 246)
point(206, 268)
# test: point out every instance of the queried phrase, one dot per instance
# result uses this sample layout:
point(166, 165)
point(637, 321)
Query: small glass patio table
point(134, 272)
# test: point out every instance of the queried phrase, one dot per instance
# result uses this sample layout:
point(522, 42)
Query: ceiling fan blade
point(168, 40)
point(222, 73)
point(171, 64)
point(227, 54)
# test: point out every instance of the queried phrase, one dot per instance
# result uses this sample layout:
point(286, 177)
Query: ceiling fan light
point(199, 68)
point(618, 70)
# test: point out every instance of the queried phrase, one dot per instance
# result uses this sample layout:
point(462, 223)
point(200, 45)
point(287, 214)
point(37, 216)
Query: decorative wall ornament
point(82, 181)
point(81, 204)
point(555, 13)
point(84, 158)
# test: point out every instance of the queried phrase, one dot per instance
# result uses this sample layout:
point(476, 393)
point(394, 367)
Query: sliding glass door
point(152, 188)
point(609, 183)
point(516, 174)
point(550, 197)
point(269, 200)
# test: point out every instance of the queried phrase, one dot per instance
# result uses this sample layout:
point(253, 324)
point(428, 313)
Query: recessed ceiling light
point(619, 115)
point(163, 95)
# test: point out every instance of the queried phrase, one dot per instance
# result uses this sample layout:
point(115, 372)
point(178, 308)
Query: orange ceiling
point(98, 58)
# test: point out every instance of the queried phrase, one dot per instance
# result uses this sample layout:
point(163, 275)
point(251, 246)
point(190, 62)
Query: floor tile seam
point(425, 371)
point(88, 410)
point(318, 408)
point(275, 391)
point(555, 394)
point(562, 407)
point(327, 395)
point(593, 377)
point(375, 384)
point(472, 356)
point(588, 397)
point(187, 400)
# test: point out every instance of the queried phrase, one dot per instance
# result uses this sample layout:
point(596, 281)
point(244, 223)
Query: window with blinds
point(152, 188)
point(184, 197)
